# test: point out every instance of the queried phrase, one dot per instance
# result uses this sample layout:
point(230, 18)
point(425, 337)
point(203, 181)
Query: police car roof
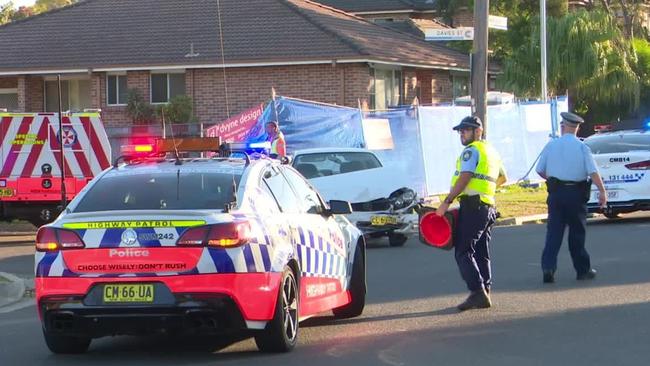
point(219, 165)
point(331, 150)
point(618, 133)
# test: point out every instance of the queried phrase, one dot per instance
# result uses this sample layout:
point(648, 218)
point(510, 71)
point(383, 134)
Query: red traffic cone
point(437, 231)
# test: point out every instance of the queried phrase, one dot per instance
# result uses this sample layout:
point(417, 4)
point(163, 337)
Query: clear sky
point(19, 3)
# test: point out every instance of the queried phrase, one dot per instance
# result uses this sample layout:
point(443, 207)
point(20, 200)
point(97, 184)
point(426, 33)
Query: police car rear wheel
point(65, 344)
point(281, 332)
point(397, 240)
point(357, 288)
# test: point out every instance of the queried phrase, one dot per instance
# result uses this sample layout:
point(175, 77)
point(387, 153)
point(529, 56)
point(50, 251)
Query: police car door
point(324, 251)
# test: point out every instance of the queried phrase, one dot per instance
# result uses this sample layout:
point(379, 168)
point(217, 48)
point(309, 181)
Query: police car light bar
point(188, 144)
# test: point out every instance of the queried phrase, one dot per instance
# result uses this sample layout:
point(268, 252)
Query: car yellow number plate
point(128, 293)
point(383, 220)
point(6, 192)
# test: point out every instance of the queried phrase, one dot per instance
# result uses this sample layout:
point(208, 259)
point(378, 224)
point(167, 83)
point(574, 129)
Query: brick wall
point(8, 82)
point(341, 84)
point(34, 94)
point(115, 116)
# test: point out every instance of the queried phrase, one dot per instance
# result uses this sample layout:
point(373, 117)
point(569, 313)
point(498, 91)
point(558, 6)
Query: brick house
point(163, 48)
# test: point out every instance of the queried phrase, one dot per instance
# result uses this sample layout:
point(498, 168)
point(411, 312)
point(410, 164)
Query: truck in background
point(30, 161)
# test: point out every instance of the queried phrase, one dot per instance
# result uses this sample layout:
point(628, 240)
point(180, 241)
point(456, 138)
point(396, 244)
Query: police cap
point(469, 122)
point(572, 118)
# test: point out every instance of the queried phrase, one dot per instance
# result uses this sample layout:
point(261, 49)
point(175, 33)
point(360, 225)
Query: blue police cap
point(572, 118)
point(469, 122)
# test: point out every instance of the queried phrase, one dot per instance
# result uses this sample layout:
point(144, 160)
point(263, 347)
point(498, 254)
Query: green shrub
point(140, 111)
point(178, 110)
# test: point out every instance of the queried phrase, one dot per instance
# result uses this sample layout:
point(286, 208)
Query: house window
point(75, 95)
point(9, 99)
point(166, 86)
point(460, 85)
point(116, 90)
point(386, 88)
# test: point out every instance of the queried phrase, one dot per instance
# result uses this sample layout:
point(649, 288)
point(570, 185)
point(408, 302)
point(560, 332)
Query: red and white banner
point(237, 128)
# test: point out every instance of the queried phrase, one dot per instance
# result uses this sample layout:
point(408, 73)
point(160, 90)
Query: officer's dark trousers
point(566, 207)
point(473, 233)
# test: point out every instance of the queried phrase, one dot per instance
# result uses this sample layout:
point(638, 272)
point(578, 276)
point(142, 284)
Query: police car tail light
point(223, 235)
point(229, 235)
point(194, 237)
point(641, 165)
point(50, 239)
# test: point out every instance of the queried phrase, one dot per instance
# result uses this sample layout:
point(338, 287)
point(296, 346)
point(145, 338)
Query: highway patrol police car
point(202, 245)
point(623, 160)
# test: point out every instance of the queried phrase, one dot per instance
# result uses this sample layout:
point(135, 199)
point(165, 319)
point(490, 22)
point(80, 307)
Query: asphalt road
point(410, 318)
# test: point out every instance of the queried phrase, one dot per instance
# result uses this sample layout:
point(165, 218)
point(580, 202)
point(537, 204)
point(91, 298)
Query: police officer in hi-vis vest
point(276, 138)
point(479, 172)
point(567, 164)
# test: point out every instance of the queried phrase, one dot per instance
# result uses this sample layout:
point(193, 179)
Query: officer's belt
point(568, 182)
point(480, 176)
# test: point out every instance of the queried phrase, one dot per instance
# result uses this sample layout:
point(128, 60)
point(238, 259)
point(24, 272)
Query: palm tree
point(588, 57)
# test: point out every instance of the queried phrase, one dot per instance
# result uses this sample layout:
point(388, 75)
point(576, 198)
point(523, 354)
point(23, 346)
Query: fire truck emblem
point(69, 136)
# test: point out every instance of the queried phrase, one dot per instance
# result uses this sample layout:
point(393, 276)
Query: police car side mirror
point(339, 207)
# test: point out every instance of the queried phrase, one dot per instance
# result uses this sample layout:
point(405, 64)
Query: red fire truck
point(30, 161)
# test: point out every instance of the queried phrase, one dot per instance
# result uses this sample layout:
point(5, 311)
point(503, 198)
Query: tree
point(6, 12)
point(46, 5)
point(587, 56)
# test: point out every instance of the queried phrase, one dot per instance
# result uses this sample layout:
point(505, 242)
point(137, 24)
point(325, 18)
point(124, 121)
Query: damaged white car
point(358, 176)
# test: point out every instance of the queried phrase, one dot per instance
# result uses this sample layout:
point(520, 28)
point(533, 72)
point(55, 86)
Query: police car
point(623, 160)
point(196, 245)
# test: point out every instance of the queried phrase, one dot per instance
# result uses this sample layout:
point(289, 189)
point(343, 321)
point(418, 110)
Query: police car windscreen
point(160, 191)
point(613, 144)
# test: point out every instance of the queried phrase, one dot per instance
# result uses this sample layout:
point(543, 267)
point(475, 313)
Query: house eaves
point(94, 35)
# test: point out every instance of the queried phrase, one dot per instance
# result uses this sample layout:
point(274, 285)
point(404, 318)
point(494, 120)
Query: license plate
point(128, 293)
point(6, 192)
point(610, 194)
point(383, 220)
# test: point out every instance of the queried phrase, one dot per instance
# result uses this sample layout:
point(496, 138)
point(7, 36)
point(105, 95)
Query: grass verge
point(516, 201)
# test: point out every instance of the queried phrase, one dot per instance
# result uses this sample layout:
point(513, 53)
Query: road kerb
point(12, 290)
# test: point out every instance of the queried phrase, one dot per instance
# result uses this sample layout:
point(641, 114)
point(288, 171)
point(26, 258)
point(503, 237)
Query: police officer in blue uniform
point(479, 172)
point(569, 169)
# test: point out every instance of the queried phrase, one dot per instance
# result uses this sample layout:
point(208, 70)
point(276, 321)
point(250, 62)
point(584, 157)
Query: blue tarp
point(425, 147)
point(311, 125)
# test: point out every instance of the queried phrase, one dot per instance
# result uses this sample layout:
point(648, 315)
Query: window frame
point(117, 89)
point(8, 91)
point(65, 79)
point(396, 77)
point(319, 200)
point(167, 73)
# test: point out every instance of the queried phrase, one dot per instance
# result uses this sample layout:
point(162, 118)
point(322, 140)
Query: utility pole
point(542, 37)
point(479, 61)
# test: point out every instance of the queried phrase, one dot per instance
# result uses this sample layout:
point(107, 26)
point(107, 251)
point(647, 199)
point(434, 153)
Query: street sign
point(497, 22)
point(449, 34)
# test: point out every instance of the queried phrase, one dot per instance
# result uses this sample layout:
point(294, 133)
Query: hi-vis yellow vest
point(484, 181)
point(274, 143)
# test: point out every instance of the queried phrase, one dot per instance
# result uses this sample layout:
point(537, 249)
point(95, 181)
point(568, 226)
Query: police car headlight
point(402, 198)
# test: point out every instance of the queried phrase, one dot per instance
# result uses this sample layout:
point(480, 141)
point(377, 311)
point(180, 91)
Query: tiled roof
point(104, 34)
point(360, 6)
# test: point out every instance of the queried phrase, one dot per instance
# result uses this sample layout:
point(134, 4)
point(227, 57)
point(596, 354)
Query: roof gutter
point(232, 65)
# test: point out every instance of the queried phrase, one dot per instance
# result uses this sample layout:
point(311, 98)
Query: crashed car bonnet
point(380, 208)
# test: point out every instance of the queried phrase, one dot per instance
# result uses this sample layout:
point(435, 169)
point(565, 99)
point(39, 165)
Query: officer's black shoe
point(549, 277)
point(476, 300)
point(589, 275)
